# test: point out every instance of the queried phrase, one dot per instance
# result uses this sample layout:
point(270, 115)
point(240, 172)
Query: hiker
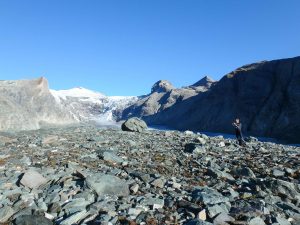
point(238, 131)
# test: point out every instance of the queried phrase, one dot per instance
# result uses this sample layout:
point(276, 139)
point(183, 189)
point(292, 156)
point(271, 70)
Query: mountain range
point(264, 95)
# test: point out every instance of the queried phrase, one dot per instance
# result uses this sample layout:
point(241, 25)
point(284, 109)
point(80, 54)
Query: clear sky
point(121, 47)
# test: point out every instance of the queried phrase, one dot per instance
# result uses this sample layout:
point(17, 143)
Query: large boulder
point(134, 125)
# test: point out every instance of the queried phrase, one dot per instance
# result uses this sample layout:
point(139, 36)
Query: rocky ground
point(86, 175)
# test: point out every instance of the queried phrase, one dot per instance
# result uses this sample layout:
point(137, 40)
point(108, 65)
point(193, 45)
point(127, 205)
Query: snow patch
point(88, 105)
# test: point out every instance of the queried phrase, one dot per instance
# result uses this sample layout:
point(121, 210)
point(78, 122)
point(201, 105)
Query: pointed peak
point(205, 81)
point(162, 86)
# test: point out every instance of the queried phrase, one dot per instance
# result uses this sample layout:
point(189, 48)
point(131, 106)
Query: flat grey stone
point(278, 173)
point(256, 221)
point(75, 218)
point(160, 182)
point(208, 196)
point(215, 173)
point(105, 184)
point(33, 179)
point(112, 157)
point(32, 220)
point(282, 221)
point(222, 219)
point(215, 210)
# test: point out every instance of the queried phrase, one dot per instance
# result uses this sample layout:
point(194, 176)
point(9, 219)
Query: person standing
point(238, 131)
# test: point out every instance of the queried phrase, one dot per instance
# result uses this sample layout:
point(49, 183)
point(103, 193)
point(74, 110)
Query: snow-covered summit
point(78, 92)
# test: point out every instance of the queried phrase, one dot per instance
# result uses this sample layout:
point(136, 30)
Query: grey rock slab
point(160, 182)
point(288, 206)
point(282, 221)
point(215, 173)
point(247, 208)
point(189, 206)
point(135, 211)
point(102, 206)
point(257, 221)
point(278, 173)
point(104, 184)
point(284, 188)
point(32, 220)
point(152, 201)
point(215, 210)
point(5, 213)
point(75, 205)
point(208, 196)
point(73, 219)
point(33, 179)
point(112, 157)
point(222, 219)
point(232, 194)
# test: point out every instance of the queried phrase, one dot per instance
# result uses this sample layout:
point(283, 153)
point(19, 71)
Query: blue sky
point(121, 47)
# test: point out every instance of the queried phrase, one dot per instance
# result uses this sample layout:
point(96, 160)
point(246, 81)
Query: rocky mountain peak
point(205, 81)
point(162, 86)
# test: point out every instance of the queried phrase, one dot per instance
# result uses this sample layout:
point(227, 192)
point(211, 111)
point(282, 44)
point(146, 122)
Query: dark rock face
point(134, 125)
point(264, 95)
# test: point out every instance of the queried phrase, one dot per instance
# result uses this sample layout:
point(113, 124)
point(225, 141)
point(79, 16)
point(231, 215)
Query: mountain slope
point(28, 104)
point(265, 95)
point(164, 96)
